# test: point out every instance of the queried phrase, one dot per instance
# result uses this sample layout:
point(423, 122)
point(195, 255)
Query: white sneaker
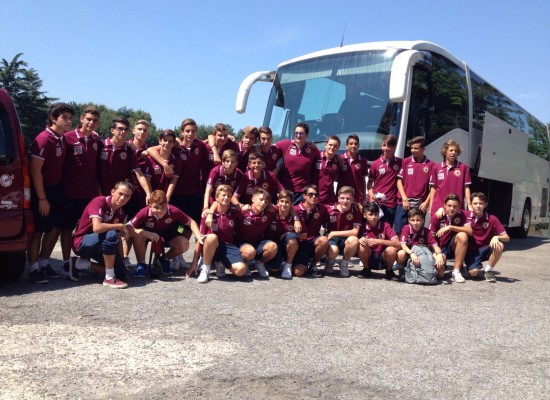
point(220, 269)
point(344, 272)
point(329, 267)
point(457, 276)
point(203, 277)
point(260, 267)
point(287, 271)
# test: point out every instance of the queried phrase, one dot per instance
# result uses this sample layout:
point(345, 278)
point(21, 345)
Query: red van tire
point(12, 265)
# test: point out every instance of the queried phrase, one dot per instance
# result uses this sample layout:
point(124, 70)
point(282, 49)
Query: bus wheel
point(522, 230)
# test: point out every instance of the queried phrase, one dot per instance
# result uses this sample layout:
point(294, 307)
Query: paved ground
point(327, 338)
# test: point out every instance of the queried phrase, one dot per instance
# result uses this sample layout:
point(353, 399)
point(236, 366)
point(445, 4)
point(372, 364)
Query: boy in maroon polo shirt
point(256, 176)
point(219, 238)
point(155, 172)
point(486, 242)
point(451, 231)
point(378, 243)
point(413, 182)
point(47, 198)
point(327, 170)
point(354, 169)
point(299, 160)
point(252, 227)
point(225, 174)
point(97, 237)
point(343, 230)
point(270, 152)
point(450, 177)
point(160, 221)
point(194, 156)
point(217, 143)
point(313, 246)
point(80, 180)
point(247, 146)
point(414, 233)
point(383, 178)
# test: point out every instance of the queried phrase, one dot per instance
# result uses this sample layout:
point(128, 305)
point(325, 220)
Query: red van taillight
point(25, 174)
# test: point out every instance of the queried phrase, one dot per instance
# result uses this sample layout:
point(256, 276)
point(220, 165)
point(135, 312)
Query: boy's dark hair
point(167, 132)
point(333, 138)
point(421, 140)
point(264, 192)
point(416, 212)
point(453, 197)
point(265, 129)
point(56, 109)
point(122, 121)
point(125, 183)
point(304, 126)
point(311, 186)
point(371, 206)
point(285, 194)
point(481, 196)
point(352, 137)
point(255, 156)
point(90, 110)
point(390, 140)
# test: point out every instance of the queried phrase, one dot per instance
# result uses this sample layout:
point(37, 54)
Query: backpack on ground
point(426, 273)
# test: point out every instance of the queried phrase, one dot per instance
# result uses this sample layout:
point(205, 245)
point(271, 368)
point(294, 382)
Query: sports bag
point(425, 274)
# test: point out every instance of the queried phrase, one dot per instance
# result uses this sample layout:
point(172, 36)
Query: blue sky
point(178, 59)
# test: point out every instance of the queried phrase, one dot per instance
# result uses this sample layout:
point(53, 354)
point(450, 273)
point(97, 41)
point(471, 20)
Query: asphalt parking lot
point(330, 338)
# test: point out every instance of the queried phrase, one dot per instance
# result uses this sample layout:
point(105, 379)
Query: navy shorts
point(376, 261)
point(228, 254)
point(306, 251)
point(448, 248)
point(475, 257)
point(56, 217)
point(170, 234)
point(95, 245)
point(275, 262)
point(338, 241)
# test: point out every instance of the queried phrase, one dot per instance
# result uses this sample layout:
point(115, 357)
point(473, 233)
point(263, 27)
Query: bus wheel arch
point(523, 229)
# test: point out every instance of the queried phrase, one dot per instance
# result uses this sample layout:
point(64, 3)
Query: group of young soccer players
point(252, 205)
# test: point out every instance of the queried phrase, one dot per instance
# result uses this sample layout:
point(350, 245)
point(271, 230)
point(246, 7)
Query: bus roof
point(390, 45)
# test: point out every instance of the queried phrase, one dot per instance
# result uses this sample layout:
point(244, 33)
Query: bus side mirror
point(246, 85)
point(401, 74)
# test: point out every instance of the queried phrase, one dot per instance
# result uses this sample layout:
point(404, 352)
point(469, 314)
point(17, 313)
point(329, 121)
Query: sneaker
point(115, 283)
point(175, 264)
point(74, 273)
point(128, 263)
point(260, 267)
point(49, 272)
point(390, 275)
point(314, 272)
point(37, 276)
point(489, 277)
point(66, 269)
point(344, 271)
point(203, 277)
point(287, 271)
point(329, 267)
point(365, 273)
point(457, 276)
point(165, 266)
point(220, 269)
point(140, 271)
point(249, 266)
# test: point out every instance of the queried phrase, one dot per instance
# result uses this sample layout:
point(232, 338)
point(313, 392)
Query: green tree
point(24, 86)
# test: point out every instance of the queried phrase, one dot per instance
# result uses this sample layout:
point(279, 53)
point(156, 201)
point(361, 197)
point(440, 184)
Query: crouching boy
point(164, 222)
point(486, 242)
point(378, 243)
point(415, 241)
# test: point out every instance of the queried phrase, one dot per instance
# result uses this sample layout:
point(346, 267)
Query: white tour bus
point(409, 89)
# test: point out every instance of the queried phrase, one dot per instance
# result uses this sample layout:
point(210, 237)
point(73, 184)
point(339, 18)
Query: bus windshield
point(339, 94)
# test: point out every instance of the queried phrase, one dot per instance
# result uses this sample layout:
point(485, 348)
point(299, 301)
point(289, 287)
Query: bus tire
point(522, 230)
point(12, 265)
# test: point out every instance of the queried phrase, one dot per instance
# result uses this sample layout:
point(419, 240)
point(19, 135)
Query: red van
point(16, 221)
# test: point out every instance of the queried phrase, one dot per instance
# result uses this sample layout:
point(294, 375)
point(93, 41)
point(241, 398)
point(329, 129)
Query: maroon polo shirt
point(80, 179)
point(193, 163)
point(223, 225)
point(51, 149)
point(353, 173)
point(271, 157)
point(423, 237)
point(219, 177)
point(449, 180)
point(146, 220)
point(115, 164)
point(312, 220)
point(155, 172)
point(279, 226)
point(415, 176)
point(251, 227)
point(99, 207)
point(436, 224)
point(299, 165)
point(229, 145)
point(327, 172)
point(484, 228)
point(343, 221)
point(383, 173)
point(267, 181)
point(382, 231)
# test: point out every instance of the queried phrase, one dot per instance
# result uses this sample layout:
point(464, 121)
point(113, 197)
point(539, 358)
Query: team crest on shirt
point(426, 170)
point(333, 218)
point(292, 152)
point(421, 241)
point(150, 224)
point(456, 220)
point(308, 150)
point(316, 215)
point(158, 170)
point(273, 226)
point(231, 223)
point(289, 228)
point(395, 168)
point(381, 170)
point(349, 217)
point(344, 167)
point(265, 185)
point(334, 166)
point(274, 156)
point(58, 151)
point(381, 236)
point(458, 173)
point(183, 156)
point(78, 150)
point(123, 155)
point(233, 183)
point(168, 221)
point(264, 218)
point(197, 151)
point(249, 190)
point(247, 221)
point(95, 146)
point(485, 225)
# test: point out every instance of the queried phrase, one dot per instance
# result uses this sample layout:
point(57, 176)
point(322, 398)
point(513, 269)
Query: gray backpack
point(425, 274)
